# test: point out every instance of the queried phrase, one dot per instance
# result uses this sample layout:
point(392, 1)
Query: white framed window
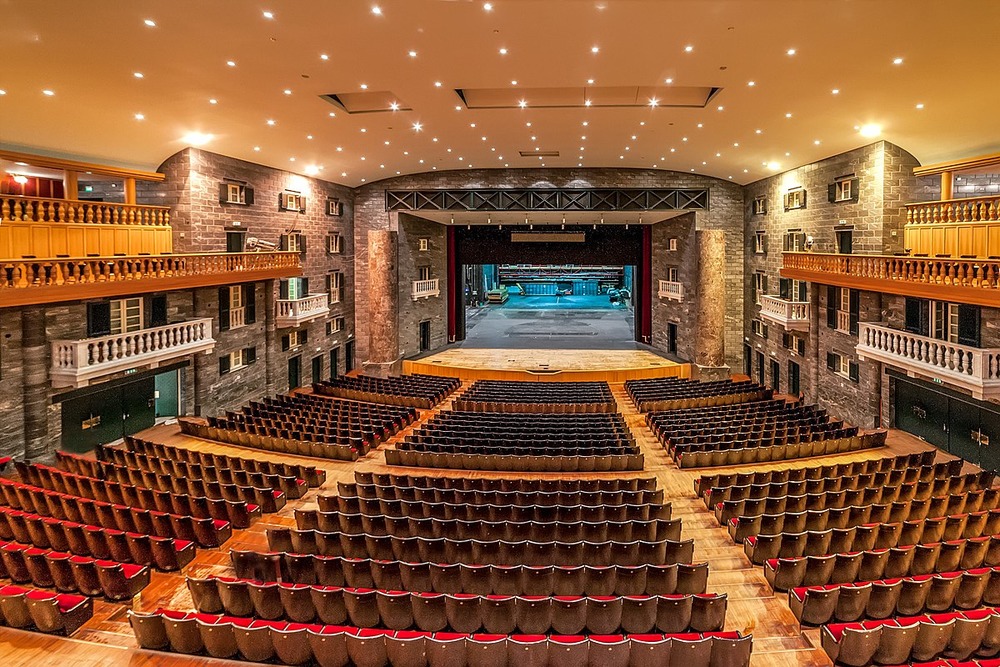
point(795, 199)
point(335, 243)
point(672, 244)
point(296, 337)
point(423, 273)
point(758, 328)
point(424, 244)
point(760, 242)
point(233, 192)
point(336, 325)
point(760, 205)
point(842, 365)
point(335, 286)
point(126, 315)
point(237, 309)
point(672, 274)
point(334, 207)
point(843, 190)
point(944, 321)
point(795, 241)
point(759, 286)
point(294, 243)
point(292, 201)
point(844, 311)
point(237, 360)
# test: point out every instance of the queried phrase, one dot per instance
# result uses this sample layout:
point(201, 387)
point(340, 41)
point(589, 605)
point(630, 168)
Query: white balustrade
point(793, 315)
point(76, 362)
point(423, 289)
point(973, 368)
point(671, 290)
point(293, 312)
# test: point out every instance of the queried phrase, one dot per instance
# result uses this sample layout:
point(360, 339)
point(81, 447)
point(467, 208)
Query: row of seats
point(501, 552)
point(366, 493)
point(927, 473)
point(220, 430)
point(459, 612)
point(513, 463)
point(162, 553)
point(419, 391)
point(869, 495)
point(957, 635)
point(238, 513)
point(336, 646)
point(520, 397)
point(268, 499)
point(26, 609)
point(964, 554)
point(844, 517)
point(852, 469)
point(546, 580)
point(924, 593)
point(866, 537)
point(842, 441)
point(789, 420)
point(501, 529)
point(204, 532)
point(243, 480)
point(672, 393)
point(311, 475)
point(23, 563)
point(507, 484)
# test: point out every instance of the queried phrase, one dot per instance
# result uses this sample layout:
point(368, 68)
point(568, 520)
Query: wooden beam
point(966, 164)
point(83, 167)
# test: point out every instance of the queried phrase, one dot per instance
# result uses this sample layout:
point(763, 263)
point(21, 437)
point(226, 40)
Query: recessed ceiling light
point(343, 173)
point(897, 61)
point(150, 22)
point(642, 122)
point(758, 131)
point(870, 130)
point(920, 105)
point(788, 115)
point(653, 102)
point(751, 83)
point(3, 92)
point(386, 143)
point(584, 137)
point(138, 75)
point(586, 123)
point(700, 125)
point(437, 84)
point(684, 138)
point(528, 124)
point(268, 15)
point(835, 91)
point(412, 54)
point(418, 127)
point(394, 106)
point(472, 124)
point(340, 149)
point(364, 86)
point(533, 138)
point(458, 107)
point(718, 155)
point(48, 92)
point(271, 121)
point(736, 144)
point(323, 56)
point(513, 82)
point(231, 63)
point(668, 81)
point(673, 150)
point(790, 52)
point(595, 49)
point(376, 10)
point(746, 171)
point(503, 51)
point(381, 166)
point(590, 82)
point(421, 161)
point(522, 103)
point(311, 170)
point(309, 136)
point(256, 148)
point(488, 6)
point(333, 114)
point(196, 138)
point(773, 166)
point(720, 108)
point(140, 116)
point(363, 130)
point(788, 154)
point(434, 139)
point(633, 137)
point(688, 48)
point(363, 158)
point(291, 159)
point(288, 91)
point(213, 101)
point(586, 103)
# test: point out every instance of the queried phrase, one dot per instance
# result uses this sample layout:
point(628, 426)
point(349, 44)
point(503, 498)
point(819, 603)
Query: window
point(758, 328)
point(795, 199)
point(293, 289)
point(672, 274)
point(334, 207)
point(126, 315)
point(335, 287)
point(794, 343)
point(760, 205)
point(289, 200)
point(842, 365)
point(672, 244)
point(237, 360)
point(235, 193)
point(793, 379)
point(294, 339)
point(955, 323)
point(793, 290)
point(758, 286)
point(843, 189)
point(423, 273)
point(843, 309)
point(334, 243)
point(293, 242)
point(237, 306)
point(760, 242)
point(424, 245)
point(794, 241)
point(336, 325)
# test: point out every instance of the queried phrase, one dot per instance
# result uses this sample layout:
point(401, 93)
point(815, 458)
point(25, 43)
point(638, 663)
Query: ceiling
point(88, 60)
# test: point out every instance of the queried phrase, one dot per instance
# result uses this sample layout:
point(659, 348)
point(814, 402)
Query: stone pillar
point(383, 304)
point(270, 336)
point(36, 377)
point(710, 344)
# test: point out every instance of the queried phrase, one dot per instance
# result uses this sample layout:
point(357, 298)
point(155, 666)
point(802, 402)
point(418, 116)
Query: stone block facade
point(685, 259)
point(411, 258)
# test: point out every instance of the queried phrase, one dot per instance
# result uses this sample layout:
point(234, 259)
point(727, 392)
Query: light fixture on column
point(453, 220)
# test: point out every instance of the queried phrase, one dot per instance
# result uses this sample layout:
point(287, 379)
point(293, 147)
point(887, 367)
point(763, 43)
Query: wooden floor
point(107, 639)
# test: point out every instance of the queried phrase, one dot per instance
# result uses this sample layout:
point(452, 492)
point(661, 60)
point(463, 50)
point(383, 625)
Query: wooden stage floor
point(753, 607)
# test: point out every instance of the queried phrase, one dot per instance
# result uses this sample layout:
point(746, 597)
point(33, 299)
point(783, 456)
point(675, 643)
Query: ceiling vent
point(539, 153)
point(367, 101)
point(587, 96)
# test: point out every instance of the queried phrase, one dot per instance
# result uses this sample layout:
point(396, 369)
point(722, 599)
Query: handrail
point(671, 289)
point(970, 209)
point(427, 287)
point(20, 208)
point(950, 271)
point(784, 309)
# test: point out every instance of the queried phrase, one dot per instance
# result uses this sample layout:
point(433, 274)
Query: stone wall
point(963, 186)
point(726, 213)
point(11, 383)
point(685, 260)
point(434, 309)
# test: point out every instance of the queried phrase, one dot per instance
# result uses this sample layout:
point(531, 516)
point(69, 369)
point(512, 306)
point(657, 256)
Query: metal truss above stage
point(549, 199)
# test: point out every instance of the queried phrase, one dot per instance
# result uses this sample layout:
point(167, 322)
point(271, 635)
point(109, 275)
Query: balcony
point(41, 209)
point(971, 209)
point(76, 363)
point(671, 290)
point(974, 369)
point(424, 289)
point(35, 281)
point(294, 312)
point(792, 315)
point(972, 281)
point(967, 227)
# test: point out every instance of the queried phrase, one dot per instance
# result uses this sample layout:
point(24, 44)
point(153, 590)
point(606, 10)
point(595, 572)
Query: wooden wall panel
point(47, 240)
point(980, 239)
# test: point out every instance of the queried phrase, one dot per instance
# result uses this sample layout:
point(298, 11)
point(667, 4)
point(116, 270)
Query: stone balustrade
point(293, 312)
point(671, 290)
point(792, 315)
point(423, 289)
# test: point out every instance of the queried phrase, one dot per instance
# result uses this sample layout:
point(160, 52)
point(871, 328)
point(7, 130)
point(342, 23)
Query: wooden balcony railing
point(40, 209)
point(671, 290)
point(973, 281)
point(972, 368)
point(76, 362)
point(972, 209)
point(792, 315)
point(34, 281)
point(293, 312)
point(423, 289)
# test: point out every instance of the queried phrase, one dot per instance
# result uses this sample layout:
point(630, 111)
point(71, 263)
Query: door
point(775, 375)
point(167, 403)
point(138, 406)
point(295, 372)
point(671, 338)
point(963, 430)
point(760, 368)
point(794, 387)
point(845, 242)
point(425, 335)
point(920, 412)
point(349, 357)
point(989, 440)
point(107, 415)
point(748, 361)
point(334, 363)
point(317, 368)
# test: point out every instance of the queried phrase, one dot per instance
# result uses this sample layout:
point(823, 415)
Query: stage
point(546, 365)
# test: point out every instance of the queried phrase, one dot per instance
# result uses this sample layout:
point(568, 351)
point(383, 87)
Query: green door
point(138, 406)
point(107, 415)
point(166, 394)
point(294, 372)
point(989, 437)
point(921, 412)
point(963, 430)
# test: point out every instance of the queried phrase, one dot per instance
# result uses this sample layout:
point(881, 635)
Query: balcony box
point(424, 289)
point(294, 312)
point(671, 290)
point(793, 315)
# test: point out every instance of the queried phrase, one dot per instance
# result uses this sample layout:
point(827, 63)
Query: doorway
point(294, 372)
point(334, 363)
point(105, 415)
point(760, 368)
point(425, 335)
point(317, 368)
point(794, 382)
point(167, 394)
point(349, 356)
point(775, 375)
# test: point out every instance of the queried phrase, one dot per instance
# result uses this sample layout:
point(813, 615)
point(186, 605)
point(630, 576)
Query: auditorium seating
point(338, 645)
point(207, 532)
point(672, 393)
point(958, 635)
point(538, 442)
point(417, 391)
point(625, 485)
point(752, 432)
point(25, 608)
point(288, 474)
point(557, 397)
point(306, 425)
